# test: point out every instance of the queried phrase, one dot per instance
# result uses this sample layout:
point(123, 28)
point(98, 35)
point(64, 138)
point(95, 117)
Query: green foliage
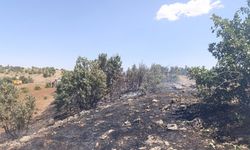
point(7, 79)
point(48, 85)
point(7, 69)
point(15, 114)
point(26, 80)
point(48, 72)
point(82, 88)
point(230, 78)
point(112, 67)
point(113, 73)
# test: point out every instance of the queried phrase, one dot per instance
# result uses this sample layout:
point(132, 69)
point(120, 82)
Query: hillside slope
point(149, 122)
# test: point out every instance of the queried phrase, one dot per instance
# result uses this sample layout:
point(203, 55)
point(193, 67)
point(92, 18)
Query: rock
point(166, 108)
point(59, 123)
point(183, 129)
point(155, 100)
point(25, 139)
point(130, 100)
point(173, 127)
point(106, 134)
point(82, 113)
point(127, 124)
point(152, 140)
point(138, 120)
point(76, 116)
point(41, 130)
point(183, 107)
point(51, 122)
point(71, 118)
point(177, 87)
point(160, 123)
point(156, 148)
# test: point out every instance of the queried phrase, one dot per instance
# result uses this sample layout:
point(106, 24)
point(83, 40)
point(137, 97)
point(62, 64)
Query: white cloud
point(193, 8)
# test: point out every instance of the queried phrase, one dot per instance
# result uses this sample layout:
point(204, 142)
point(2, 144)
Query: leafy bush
point(7, 79)
point(230, 78)
point(48, 72)
point(37, 88)
point(112, 67)
point(26, 80)
point(15, 114)
point(48, 85)
point(82, 88)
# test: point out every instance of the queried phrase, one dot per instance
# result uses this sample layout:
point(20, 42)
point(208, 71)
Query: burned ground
point(173, 120)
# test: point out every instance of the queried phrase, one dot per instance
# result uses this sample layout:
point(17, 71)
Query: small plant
point(37, 88)
point(45, 98)
point(48, 85)
point(24, 90)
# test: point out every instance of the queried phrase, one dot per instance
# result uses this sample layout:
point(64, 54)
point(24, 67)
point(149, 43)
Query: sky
point(55, 32)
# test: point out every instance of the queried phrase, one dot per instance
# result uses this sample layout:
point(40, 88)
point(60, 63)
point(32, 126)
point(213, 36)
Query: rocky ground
point(164, 121)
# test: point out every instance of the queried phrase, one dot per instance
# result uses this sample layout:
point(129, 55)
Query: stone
point(51, 122)
point(127, 124)
point(166, 108)
point(172, 127)
point(159, 122)
point(156, 148)
point(155, 100)
point(106, 134)
point(25, 139)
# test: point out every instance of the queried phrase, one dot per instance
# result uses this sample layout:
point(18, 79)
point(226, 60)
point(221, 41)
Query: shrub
point(82, 88)
point(37, 88)
point(45, 98)
point(112, 68)
point(48, 72)
point(7, 79)
point(48, 85)
point(230, 78)
point(15, 114)
point(24, 90)
point(26, 80)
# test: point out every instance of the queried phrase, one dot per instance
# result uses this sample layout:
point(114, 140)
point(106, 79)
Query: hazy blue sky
point(55, 32)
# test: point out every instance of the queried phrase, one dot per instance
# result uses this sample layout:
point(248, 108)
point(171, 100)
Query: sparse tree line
point(23, 79)
point(93, 80)
point(46, 71)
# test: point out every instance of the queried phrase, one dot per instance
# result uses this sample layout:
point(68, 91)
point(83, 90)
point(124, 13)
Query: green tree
point(15, 114)
point(230, 78)
point(82, 88)
point(113, 73)
point(153, 78)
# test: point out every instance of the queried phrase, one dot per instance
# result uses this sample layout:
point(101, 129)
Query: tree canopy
point(230, 78)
